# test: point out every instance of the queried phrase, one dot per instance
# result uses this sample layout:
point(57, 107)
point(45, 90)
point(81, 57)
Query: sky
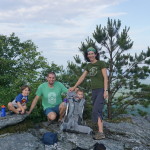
point(57, 27)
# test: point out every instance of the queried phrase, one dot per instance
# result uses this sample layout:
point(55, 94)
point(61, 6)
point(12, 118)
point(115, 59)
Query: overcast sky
point(58, 27)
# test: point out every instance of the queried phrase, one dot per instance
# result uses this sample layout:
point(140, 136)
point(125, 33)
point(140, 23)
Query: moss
point(18, 128)
point(119, 120)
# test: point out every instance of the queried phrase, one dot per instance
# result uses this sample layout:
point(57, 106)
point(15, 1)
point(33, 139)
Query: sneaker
point(11, 113)
point(99, 136)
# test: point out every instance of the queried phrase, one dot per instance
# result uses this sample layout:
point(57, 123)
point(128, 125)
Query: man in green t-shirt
point(51, 94)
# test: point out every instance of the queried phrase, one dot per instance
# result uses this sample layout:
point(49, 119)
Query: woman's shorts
point(98, 104)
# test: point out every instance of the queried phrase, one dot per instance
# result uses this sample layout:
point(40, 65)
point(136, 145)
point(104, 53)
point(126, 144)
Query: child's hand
point(23, 111)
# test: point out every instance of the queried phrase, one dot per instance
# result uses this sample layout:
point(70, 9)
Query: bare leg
point(23, 111)
point(51, 116)
point(99, 135)
point(25, 107)
point(100, 125)
point(12, 108)
point(62, 109)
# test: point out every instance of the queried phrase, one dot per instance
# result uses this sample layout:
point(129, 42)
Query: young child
point(80, 94)
point(18, 105)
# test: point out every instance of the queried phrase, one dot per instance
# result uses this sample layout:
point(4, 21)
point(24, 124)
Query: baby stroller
point(73, 119)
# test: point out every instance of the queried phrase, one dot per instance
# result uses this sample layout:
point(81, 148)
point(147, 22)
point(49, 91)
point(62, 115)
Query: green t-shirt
point(51, 96)
point(95, 73)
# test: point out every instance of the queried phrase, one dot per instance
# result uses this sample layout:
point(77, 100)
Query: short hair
point(79, 90)
point(86, 55)
point(51, 73)
point(24, 87)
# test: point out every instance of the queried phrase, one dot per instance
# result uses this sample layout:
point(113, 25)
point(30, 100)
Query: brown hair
point(24, 87)
point(51, 73)
point(86, 55)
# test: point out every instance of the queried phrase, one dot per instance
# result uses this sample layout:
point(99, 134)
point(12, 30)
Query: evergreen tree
point(124, 69)
point(70, 77)
point(20, 64)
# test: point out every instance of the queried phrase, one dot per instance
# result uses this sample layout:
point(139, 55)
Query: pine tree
point(124, 69)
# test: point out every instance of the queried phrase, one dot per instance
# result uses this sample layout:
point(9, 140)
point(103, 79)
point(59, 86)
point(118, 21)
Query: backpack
point(73, 119)
point(50, 138)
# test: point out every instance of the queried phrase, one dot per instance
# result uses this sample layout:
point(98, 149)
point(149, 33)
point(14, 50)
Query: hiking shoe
point(99, 136)
point(11, 113)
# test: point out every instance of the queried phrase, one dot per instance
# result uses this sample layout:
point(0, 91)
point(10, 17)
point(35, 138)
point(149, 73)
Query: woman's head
point(91, 53)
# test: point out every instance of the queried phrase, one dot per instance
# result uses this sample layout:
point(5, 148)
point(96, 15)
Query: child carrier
point(73, 119)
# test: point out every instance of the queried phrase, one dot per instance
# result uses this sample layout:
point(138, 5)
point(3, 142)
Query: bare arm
point(82, 77)
point(34, 102)
point(104, 73)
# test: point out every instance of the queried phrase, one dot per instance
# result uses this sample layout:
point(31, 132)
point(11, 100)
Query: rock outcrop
point(127, 133)
point(11, 120)
point(23, 141)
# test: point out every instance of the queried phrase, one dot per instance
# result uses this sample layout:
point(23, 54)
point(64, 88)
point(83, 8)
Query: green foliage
point(18, 128)
point(124, 70)
point(142, 113)
point(20, 64)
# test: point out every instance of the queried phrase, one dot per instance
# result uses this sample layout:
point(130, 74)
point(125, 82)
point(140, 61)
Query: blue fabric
point(53, 109)
point(22, 99)
point(50, 138)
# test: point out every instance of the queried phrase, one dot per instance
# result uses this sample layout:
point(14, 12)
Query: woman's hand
point(105, 94)
point(72, 89)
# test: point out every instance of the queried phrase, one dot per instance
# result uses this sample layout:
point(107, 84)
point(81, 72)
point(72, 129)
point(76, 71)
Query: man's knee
point(10, 105)
point(52, 116)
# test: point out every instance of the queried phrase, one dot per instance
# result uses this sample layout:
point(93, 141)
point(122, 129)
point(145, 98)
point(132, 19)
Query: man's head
point(80, 94)
point(51, 77)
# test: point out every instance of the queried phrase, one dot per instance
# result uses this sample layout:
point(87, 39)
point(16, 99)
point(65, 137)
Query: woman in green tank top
point(97, 71)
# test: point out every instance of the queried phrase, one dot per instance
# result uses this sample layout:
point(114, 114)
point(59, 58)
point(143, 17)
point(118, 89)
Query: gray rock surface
point(133, 134)
point(11, 120)
point(23, 141)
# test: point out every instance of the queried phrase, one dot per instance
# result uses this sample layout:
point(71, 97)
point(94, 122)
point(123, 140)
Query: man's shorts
point(52, 109)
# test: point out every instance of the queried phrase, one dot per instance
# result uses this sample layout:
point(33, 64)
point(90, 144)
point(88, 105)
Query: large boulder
point(127, 133)
point(11, 120)
point(23, 141)
point(132, 132)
